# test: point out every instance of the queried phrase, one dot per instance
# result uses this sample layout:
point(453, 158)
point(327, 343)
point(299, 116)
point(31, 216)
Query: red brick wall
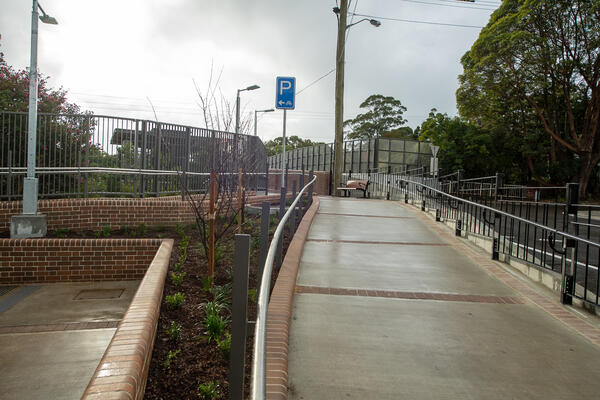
point(74, 260)
point(93, 214)
point(321, 185)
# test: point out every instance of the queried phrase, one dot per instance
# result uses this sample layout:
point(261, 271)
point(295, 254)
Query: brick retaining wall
point(321, 185)
point(74, 260)
point(94, 214)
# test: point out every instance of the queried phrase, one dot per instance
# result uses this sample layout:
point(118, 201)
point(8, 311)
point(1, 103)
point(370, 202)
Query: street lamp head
point(48, 19)
point(45, 18)
point(253, 87)
point(269, 110)
point(374, 22)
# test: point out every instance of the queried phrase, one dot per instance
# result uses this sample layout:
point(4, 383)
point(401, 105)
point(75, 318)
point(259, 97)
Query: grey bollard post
point(265, 218)
point(438, 215)
point(282, 200)
point(239, 316)
point(423, 205)
point(458, 227)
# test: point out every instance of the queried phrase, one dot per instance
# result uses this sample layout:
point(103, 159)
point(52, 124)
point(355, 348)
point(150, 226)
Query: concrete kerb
point(280, 310)
point(123, 369)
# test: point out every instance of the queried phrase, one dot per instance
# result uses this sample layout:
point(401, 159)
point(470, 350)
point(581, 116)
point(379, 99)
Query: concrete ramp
point(388, 307)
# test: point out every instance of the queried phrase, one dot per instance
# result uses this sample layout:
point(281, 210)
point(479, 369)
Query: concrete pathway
point(52, 337)
point(389, 307)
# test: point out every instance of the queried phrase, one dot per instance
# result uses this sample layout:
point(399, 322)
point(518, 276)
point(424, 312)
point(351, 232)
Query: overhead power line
point(418, 22)
point(313, 82)
point(464, 5)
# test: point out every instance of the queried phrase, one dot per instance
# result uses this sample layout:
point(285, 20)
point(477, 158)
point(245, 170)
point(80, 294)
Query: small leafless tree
point(229, 156)
point(218, 111)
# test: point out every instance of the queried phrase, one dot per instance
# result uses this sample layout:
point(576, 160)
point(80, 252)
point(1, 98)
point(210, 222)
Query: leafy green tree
point(384, 114)
point(275, 146)
point(534, 73)
point(62, 136)
point(462, 145)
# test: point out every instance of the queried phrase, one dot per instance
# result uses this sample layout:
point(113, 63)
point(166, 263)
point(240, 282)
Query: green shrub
point(225, 345)
point(141, 229)
point(173, 330)
point(209, 390)
point(177, 279)
point(206, 283)
point(106, 231)
point(214, 323)
point(170, 357)
point(175, 300)
point(61, 233)
point(222, 293)
point(252, 295)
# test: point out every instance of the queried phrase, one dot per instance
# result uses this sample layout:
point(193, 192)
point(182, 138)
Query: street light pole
point(30, 223)
point(260, 111)
point(339, 96)
point(30, 185)
point(237, 106)
point(342, 13)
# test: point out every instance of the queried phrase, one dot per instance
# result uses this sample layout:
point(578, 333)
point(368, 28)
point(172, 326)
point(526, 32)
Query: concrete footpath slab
point(53, 336)
point(414, 317)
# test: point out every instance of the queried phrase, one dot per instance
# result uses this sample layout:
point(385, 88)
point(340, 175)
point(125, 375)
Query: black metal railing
point(528, 238)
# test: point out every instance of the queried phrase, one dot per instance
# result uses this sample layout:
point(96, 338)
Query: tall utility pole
point(339, 97)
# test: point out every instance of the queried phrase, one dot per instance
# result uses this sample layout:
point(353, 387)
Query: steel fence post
point(239, 316)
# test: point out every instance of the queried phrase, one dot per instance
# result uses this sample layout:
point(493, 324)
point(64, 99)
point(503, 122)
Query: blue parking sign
point(285, 98)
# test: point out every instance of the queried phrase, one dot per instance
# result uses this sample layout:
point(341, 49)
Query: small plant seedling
point(170, 357)
point(173, 330)
point(252, 295)
point(141, 229)
point(225, 345)
point(215, 325)
point(206, 283)
point(175, 300)
point(98, 234)
point(61, 233)
point(209, 390)
point(179, 230)
point(106, 231)
point(177, 279)
point(222, 293)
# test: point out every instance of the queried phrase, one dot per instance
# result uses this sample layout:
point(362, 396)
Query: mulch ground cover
point(186, 362)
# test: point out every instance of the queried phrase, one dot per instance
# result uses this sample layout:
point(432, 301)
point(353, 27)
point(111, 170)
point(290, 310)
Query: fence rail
point(88, 155)
point(360, 156)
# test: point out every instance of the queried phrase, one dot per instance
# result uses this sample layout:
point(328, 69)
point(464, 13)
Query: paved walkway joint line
point(363, 215)
point(376, 242)
point(470, 298)
point(70, 326)
point(551, 306)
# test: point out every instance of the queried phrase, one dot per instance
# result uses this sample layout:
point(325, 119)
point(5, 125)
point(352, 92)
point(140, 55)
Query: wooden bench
point(358, 184)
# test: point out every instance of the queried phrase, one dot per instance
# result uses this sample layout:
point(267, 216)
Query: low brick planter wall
point(96, 213)
point(123, 370)
point(321, 186)
point(74, 260)
point(280, 311)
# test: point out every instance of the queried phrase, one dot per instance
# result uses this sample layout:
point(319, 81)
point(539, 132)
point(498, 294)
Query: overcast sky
point(112, 55)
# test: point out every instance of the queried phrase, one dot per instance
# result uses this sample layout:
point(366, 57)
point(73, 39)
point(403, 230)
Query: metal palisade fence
point(91, 155)
point(360, 156)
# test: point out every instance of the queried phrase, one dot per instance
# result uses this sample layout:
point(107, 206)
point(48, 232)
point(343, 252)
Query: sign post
point(285, 99)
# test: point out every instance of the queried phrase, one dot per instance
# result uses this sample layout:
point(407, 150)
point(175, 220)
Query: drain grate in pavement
point(6, 289)
point(99, 294)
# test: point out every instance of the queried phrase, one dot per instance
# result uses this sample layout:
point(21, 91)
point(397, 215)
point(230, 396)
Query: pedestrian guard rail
point(258, 384)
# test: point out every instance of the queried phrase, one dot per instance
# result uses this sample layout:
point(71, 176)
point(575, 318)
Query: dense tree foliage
point(383, 115)
point(532, 79)
point(275, 146)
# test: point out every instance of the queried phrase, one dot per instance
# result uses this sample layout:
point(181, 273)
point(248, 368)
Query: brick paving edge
point(123, 369)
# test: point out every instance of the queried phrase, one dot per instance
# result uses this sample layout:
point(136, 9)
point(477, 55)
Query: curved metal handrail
point(258, 384)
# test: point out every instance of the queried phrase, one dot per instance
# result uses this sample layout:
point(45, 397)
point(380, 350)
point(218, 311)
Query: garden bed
point(188, 362)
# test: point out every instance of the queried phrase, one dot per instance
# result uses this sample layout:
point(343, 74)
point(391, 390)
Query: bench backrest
point(358, 184)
